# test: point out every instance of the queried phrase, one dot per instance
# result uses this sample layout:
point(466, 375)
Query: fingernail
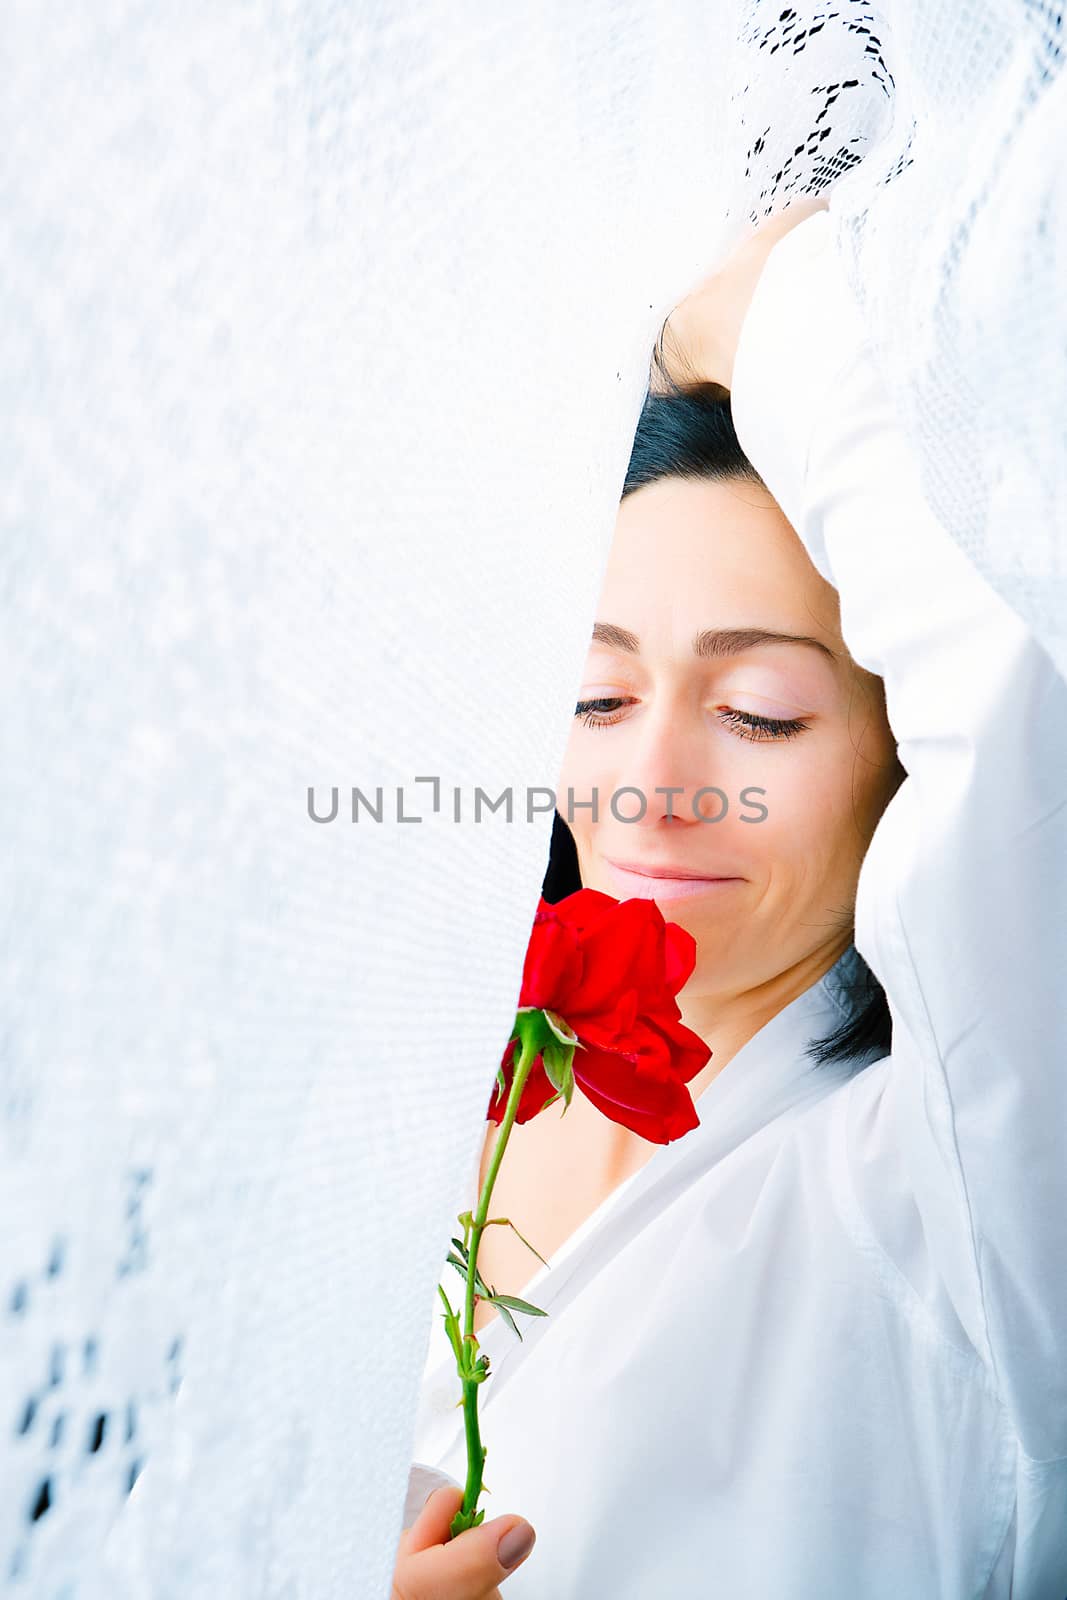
point(516, 1545)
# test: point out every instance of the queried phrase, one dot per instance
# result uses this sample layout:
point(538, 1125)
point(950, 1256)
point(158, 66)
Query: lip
point(662, 883)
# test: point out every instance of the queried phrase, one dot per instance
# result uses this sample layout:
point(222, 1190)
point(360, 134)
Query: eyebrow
point(713, 644)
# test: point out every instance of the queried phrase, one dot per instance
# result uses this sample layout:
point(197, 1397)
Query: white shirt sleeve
point(962, 896)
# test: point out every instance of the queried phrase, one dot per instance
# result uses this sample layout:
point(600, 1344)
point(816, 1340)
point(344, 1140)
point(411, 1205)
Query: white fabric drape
point(325, 333)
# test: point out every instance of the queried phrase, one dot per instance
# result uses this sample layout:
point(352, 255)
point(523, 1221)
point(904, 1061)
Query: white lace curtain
point(325, 333)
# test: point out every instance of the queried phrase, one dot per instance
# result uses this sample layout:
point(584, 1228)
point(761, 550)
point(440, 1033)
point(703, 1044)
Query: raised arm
point(962, 902)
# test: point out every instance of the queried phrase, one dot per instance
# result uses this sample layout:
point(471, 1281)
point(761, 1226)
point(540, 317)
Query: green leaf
point(508, 1318)
point(462, 1268)
point(515, 1304)
point(526, 1242)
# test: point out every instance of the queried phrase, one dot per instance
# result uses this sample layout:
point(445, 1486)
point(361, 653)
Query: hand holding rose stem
point(597, 1007)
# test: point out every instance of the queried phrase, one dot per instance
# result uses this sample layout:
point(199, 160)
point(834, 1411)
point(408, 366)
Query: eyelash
point(761, 727)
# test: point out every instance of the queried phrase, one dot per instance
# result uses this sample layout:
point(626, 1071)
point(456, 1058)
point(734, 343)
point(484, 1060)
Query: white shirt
point(818, 1347)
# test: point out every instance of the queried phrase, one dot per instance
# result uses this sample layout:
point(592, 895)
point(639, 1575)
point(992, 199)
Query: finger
point(468, 1567)
point(434, 1520)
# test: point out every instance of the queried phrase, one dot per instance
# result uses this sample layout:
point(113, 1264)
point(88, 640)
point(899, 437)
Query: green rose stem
point(534, 1033)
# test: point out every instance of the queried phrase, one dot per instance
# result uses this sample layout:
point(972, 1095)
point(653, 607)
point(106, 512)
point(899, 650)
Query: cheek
point(583, 769)
point(580, 768)
point(809, 833)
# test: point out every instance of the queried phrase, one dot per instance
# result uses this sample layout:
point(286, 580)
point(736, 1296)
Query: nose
point(669, 765)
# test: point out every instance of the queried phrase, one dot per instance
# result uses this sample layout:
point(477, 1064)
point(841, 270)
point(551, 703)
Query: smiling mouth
point(663, 883)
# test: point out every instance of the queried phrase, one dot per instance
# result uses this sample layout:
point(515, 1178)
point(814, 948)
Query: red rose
point(611, 969)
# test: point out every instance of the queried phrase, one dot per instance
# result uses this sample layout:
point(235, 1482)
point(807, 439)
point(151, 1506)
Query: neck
point(727, 1020)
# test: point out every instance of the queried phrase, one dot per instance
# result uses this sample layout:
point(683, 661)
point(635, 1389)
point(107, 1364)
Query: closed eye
point(746, 724)
point(763, 727)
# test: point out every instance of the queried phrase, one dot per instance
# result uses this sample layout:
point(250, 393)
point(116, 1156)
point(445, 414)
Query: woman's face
point(794, 736)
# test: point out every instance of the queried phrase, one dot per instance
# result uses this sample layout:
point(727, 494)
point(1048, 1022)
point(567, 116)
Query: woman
point(815, 1347)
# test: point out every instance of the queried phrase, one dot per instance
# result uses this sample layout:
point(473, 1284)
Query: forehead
point(693, 554)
